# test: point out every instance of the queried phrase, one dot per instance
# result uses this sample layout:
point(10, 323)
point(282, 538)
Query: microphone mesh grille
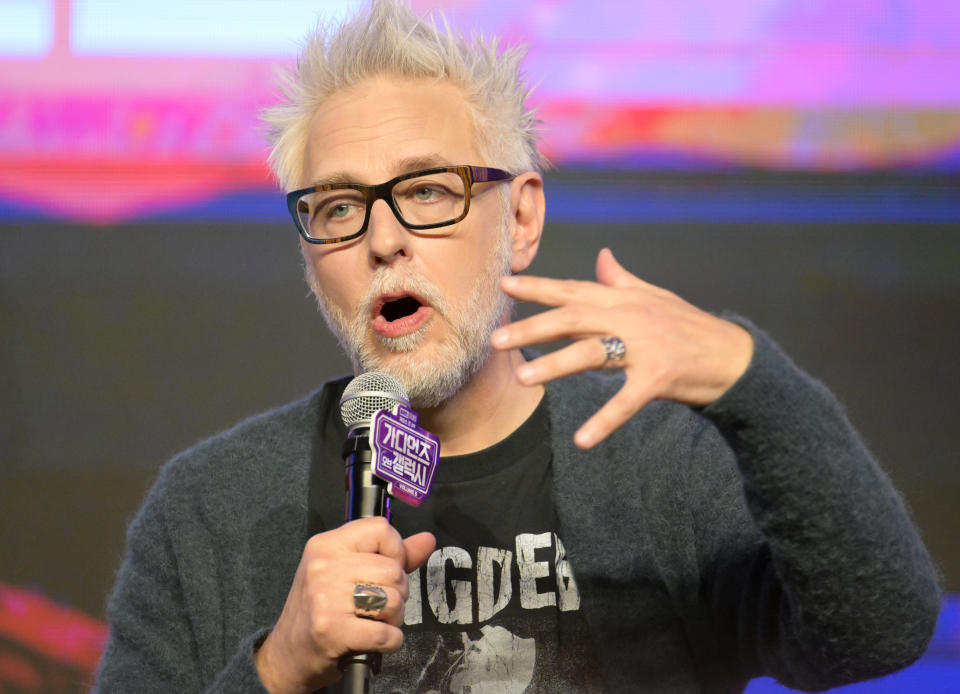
point(369, 393)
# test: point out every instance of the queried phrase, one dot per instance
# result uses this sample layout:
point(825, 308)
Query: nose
point(387, 238)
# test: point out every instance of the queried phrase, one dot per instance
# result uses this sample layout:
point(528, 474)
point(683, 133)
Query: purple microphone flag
point(404, 454)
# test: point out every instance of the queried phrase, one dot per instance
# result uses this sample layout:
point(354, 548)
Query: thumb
point(612, 273)
point(418, 549)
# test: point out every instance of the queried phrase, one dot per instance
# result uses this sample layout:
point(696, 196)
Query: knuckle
point(570, 287)
point(403, 594)
point(329, 650)
point(593, 350)
point(396, 576)
point(315, 545)
point(318, 598)
point(378, 523)
point(576, 319)
point(317, 569)
point(321, 626)
point(397, 601)
point(386, 637)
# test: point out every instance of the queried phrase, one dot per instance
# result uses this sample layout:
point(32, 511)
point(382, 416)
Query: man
point(699, 515)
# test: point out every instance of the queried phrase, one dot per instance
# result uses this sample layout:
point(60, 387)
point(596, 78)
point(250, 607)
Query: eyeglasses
point(422, 201)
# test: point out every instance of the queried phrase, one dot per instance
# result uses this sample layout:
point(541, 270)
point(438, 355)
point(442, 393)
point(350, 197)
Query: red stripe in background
point(52, 631)
point(111, 191)
point(18, 673)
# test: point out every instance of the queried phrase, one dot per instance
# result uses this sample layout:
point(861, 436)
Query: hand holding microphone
point(319, 625)
point(322, 621)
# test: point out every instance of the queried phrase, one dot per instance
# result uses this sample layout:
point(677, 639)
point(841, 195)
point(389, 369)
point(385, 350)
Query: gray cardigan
point(756, 536)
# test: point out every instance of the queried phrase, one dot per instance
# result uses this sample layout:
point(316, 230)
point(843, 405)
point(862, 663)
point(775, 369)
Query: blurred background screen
point(797, 162)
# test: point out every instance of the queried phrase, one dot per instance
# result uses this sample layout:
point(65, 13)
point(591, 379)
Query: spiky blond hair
point(387, 37)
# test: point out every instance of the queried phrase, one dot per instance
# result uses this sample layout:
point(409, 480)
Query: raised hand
point(673, 350)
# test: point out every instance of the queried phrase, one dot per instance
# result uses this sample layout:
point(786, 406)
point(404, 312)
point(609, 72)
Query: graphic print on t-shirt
point(488, 588)
point(495, 621)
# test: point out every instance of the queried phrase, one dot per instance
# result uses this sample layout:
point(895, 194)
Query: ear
point(527, 207)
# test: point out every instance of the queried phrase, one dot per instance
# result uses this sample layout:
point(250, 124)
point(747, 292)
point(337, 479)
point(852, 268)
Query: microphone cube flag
point(404, 455)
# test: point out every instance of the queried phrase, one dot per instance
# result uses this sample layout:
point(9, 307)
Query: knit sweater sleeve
point(839, 586)
point(152, 646)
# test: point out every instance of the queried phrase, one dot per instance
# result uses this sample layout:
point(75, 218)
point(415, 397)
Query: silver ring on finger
point(614, 351)
point(368, 600)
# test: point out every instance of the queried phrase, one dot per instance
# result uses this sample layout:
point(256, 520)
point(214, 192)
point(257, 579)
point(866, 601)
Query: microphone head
point(369, 393)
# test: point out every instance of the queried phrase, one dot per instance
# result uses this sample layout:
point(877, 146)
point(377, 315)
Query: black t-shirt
point(496, 608)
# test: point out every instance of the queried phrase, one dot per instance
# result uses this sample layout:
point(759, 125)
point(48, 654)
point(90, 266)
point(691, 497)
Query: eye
point(336, 209)
point(427, 192)
point(341, 210)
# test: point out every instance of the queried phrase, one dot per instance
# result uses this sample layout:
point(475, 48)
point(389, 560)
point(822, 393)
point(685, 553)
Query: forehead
point(372, 130)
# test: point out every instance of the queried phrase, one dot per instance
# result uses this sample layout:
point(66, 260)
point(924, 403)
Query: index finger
point(551, 292)
point(372, 536)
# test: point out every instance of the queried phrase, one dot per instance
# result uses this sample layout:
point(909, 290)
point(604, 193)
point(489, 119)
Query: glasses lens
point(431, 199)
point(331, 213)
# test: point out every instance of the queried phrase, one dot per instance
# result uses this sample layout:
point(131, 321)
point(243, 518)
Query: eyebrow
point(406, 165)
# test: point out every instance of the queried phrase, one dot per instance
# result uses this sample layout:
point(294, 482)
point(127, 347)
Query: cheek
point(311, 270)
point(322, 276)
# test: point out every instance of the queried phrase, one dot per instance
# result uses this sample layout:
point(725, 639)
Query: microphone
point(367, 494)
point(363, 397)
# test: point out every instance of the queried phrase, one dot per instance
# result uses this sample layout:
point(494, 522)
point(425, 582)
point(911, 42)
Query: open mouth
point(399, 314)
point(395, 309)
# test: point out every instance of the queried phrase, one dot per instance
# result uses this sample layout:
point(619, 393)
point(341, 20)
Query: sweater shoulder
point(271, 430)
point(264, 455)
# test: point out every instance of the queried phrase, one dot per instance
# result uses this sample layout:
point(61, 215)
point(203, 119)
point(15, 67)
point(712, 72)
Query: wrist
point(740, 355)
point(267, 670)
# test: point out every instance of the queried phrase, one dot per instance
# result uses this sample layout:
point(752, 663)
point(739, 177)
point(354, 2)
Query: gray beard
point(435, 373)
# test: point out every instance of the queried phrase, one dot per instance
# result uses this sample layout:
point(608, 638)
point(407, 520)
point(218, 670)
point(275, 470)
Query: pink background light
point(91, 133)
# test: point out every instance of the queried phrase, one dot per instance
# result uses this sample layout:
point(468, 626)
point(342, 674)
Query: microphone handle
point(366, 494)
point(366, 498)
